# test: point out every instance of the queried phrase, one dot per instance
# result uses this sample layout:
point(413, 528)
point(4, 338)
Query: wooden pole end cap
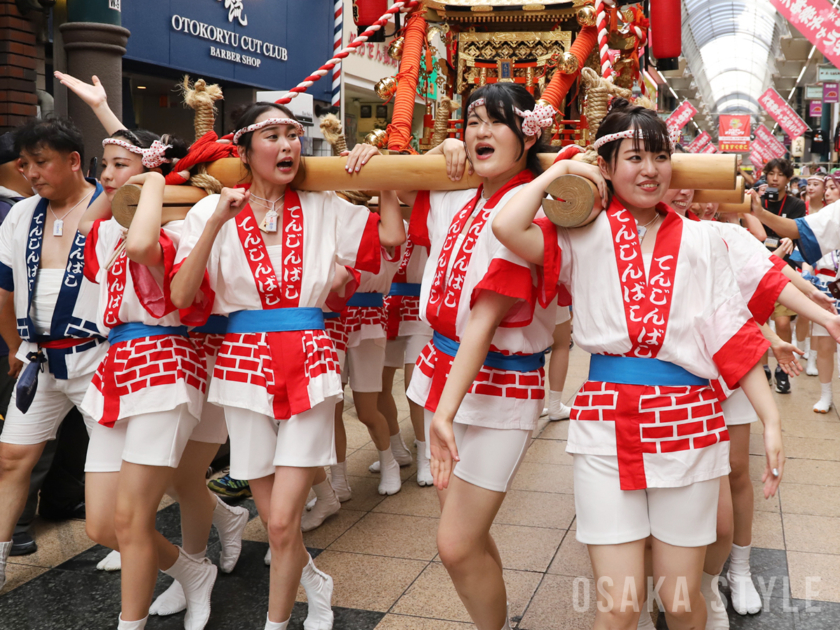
point(571, 201)
point(124, 204)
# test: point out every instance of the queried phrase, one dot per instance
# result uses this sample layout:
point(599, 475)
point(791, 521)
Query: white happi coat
point(74, 318)
point(368, 322)
point(819, 233)
point(687, 309)
point(279, 374)
point(459, 268)
point(149, 374)
point(402, 312)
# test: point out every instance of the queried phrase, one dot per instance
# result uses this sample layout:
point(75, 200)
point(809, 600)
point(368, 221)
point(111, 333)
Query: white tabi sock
point(716, 617)
point(424, 469)
point(5, 550)
point(645, 618)
point(745, 599)
point(111, 562)
point(556, 409)
point(132, 625)
point(326, 505)
point(173, 600)
point(400, 451)
point(319, 588)
point(823, 405)
point(811, 365)
point(390, 482)
point(267, 559)
point(271, 625)
point(230, 522)
point(197, 579)
point(338, 479)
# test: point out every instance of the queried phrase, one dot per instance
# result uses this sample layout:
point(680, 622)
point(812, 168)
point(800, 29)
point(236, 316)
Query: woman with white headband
point(481, 379)
point(127, 154)
point(265, 257)
point(659, 308)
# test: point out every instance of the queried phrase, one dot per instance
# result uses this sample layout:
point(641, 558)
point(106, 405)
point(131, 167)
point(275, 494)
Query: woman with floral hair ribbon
point(480, 379)
point(265, 257)
point(660, 310)
point(127, 154)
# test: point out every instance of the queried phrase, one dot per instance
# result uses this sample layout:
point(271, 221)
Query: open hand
point(785, 354)
point(359, 156)
point(93, 95)
point(456, 159)
point(444, 451)
point(785, 248)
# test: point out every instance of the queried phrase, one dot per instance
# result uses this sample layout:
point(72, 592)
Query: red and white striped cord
point(603, 37)
point(338, 38)
point(400, 5)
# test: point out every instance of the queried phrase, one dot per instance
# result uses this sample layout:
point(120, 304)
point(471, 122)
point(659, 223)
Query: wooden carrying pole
point(721, 196)
point(743, 207)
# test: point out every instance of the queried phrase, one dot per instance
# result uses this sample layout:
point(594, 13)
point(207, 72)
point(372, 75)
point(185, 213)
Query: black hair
point(59, 134)
point(144, 138)
point(651, 132)
point(499, 100)
point(249, 116)
point(784, 166)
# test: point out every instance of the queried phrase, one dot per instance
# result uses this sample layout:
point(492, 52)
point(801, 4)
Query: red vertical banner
point(818, 22)
point(699, 142)
point(783, 113)
point(768, 142)
point(734, 134)
point(709, 148)
point(679, 117)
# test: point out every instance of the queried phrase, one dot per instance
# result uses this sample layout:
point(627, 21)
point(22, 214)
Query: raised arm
point(795, 300)
point(391, 227)
point(95, 98)
point(780, 225)
point(100, 208)
point(485, 316)
point(142, 244)
point(187, 281)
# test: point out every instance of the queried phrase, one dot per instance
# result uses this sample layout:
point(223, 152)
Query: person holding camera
point(775, 200)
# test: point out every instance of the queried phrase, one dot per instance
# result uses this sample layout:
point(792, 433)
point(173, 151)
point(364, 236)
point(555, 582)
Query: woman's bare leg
point(619, 572)
point(682, 570)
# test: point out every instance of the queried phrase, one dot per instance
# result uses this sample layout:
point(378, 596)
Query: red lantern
point(366, 12)
point(666, 33)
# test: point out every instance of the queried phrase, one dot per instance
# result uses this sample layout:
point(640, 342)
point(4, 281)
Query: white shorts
point(212, 428)
point(403, 351)
point(564, 314)
point(737, 409)
point(608, 515)
point(818, 331)
point(151, 439)
point(363, 366)
point(489, 457)
point(259, 443)
point(54, 400)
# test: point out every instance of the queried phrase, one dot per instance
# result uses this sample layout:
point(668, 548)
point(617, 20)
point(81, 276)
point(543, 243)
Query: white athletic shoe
point(5, 550)
point(424, 470)
point(319, 588)
point(326, 505)
point(170, 602)
point(745, 599)
point(197, 580)
point(230, 522)
point(716, 617)
point(390, 481)
point(111, 562)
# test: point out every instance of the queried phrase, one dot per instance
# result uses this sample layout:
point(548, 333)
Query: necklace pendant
point(58, 228)
point(642, 231)
point(269, 224)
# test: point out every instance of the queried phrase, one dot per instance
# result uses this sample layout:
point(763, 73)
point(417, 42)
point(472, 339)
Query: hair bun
point(619, 103)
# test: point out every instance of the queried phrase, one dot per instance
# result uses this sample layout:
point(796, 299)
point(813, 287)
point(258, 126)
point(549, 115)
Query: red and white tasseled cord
point(400, 5)
point(603, 36)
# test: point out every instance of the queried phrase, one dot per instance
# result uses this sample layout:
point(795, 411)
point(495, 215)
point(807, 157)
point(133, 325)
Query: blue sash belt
point(366, 299)
point(136, 330)
point(497, 360)
point(276, 320)
point(636, 371)
point(331, 315)
point(405, 288)
point(216, 325)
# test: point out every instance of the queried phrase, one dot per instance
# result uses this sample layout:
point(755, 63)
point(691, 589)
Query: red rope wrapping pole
point(399, 131)
point(361, 39)
point(560, 83)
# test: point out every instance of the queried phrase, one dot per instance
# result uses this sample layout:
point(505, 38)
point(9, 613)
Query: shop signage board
point(268, 45)
point(814, 92)
point(827, 73)
point(815, 109)
point(783, 113)
point(831, 92)
point(734, 133)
